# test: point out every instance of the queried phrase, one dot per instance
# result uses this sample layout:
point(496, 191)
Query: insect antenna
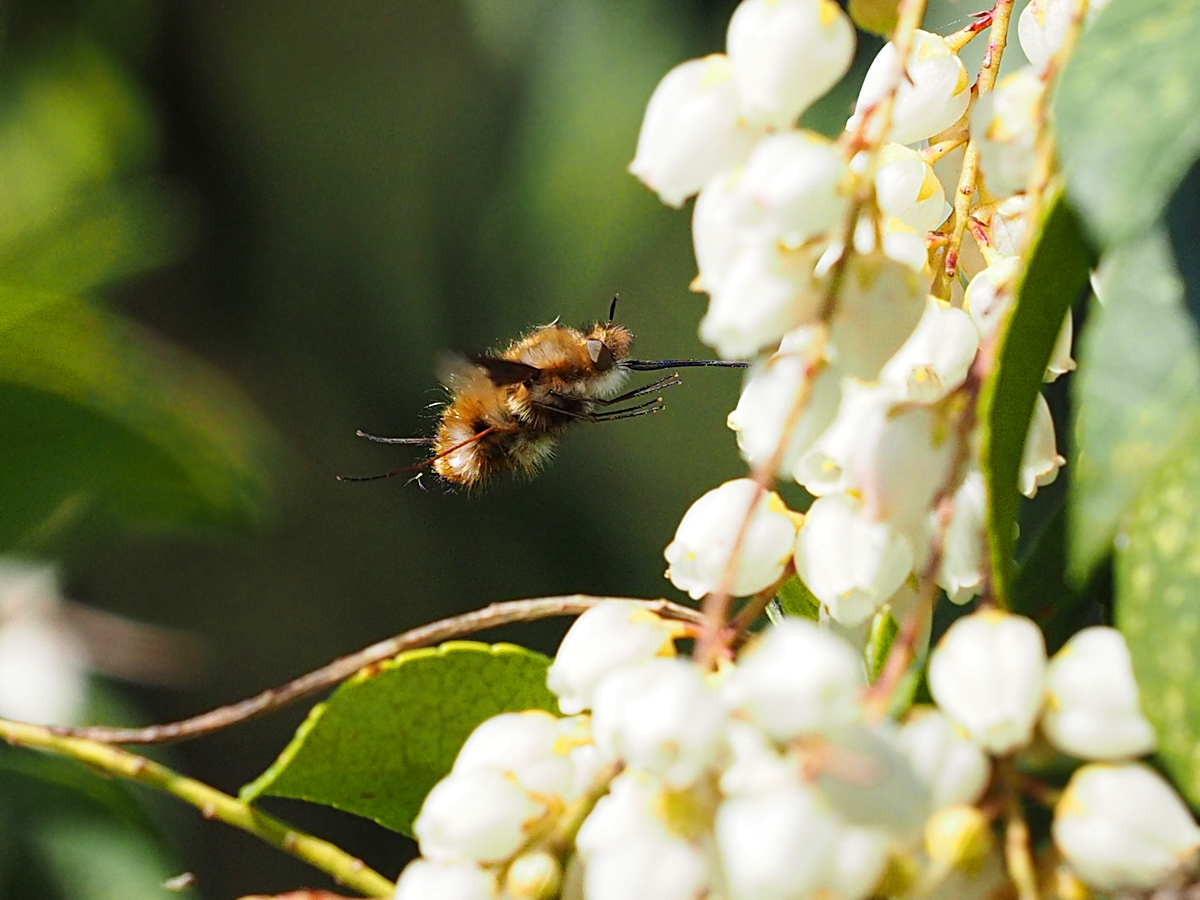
point(417, 467)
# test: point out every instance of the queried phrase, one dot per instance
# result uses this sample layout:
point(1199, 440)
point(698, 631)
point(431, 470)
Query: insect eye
point(600, 354)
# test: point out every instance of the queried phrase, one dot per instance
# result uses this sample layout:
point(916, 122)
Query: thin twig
point(212, 803)
point(340, 669)
point(965, 191)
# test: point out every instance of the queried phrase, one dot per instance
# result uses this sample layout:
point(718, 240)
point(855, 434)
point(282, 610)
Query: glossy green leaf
point(387, 735)
point(1135, 395)
point(1055, 275)
point(1158, 608)
point(98, 413)
point(1127, 114)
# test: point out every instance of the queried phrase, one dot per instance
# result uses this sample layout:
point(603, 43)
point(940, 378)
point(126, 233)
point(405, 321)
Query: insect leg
point(393, 440)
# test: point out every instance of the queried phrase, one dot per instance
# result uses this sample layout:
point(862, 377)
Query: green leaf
point(99, 413)
point(795, 599)
point(1135, 395)
point(1127, 114)
point(1056, 272)
point(880, 638)
point(1158, 608)
point(387, 735)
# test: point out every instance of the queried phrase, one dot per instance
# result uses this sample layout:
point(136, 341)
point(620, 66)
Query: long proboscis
point(651, 365)
point(339, 670)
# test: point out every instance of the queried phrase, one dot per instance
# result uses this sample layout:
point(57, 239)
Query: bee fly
point(508, 410)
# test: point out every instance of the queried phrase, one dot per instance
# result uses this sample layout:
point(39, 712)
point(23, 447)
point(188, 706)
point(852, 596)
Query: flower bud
point(662, 717)
point(1060, 358)
point(1123, 827)
point(422, 879)
point(692, 130)
point(936, 357)
point(858, 862)
point(1092, 708)
point(1010, 225)
point(790, 189)
point(611, 636)
point(785, 54)
point(954, 768)
point(933, 90)
point(824, 469)
point(959, 837)
point(771, 391)
point(988, 675)
point(700, 553)
point(478, 815)
point(1044, 24)
point(1004, 125)
point(797, 680)
point(533, 876)
point(851, 562)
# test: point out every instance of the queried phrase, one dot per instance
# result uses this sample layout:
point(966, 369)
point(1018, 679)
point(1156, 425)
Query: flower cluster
point(770, 778)
point(860, 376)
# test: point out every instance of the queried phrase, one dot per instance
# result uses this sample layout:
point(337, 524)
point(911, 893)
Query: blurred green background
point(233, 233)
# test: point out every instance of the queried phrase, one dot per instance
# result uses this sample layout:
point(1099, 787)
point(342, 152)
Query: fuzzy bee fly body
point(508, 410)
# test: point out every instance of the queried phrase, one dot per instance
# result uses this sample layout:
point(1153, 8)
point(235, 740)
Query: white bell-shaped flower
point(1044, 24)
point(662, 717)
point(1123, 827)
point(772, 389)
point(990, 294)
point(933, 93)
point(43, 663)
point(825, 468)
point(1040, 460)
point(868, 780)
point(1004, 124)
point(632, 853)
point(878, 308)
point(790, 188)
point(776, 846)
point(907, 188)
point(1092, 705)
point(529, 747)
point(693, 129)
point(799, 679)
point(936, 357)
point(963, 556)
point(479, 815)
point(611, 636)
point(851, 562)
point(704, 542)
point(422, 879)
point(858, 862)
point(944, 758)
point(756, 765)
point(716, 232)
point(988, 674)
point(1060, 357)
point(767, 291)
point(901, 243)
point(785, 54)
point(533, 876)
point(1010, 224)
point(903, 460)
